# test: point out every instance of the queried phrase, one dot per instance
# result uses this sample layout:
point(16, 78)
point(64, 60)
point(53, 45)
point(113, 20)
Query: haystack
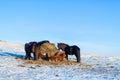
point(49, 49)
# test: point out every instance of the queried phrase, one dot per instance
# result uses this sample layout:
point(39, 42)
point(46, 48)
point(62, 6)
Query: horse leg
point(34, 55)
point(66, 56)
point(27, 55)
point(77, 54)
point(37, 56)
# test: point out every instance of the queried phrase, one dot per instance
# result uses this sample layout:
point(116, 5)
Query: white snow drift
point(12, 67)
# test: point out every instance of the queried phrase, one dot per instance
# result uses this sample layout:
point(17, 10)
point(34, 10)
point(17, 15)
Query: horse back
point(75, 47)
point(62, 46)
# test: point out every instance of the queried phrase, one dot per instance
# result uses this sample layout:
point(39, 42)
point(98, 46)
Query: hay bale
point(49, 49)
point(46, 50)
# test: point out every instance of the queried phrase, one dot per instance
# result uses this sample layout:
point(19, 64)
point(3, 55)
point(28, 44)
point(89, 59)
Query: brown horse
point(59, 57)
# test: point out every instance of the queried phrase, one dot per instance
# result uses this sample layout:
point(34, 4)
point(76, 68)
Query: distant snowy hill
point(13, 66)
point(11, 47)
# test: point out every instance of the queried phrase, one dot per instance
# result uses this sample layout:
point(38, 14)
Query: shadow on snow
point(12, 55)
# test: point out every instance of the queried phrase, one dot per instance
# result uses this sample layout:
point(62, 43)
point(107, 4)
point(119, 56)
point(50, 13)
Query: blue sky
point(93, 25)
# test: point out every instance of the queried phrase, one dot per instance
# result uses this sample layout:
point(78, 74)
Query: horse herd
point(62, 51)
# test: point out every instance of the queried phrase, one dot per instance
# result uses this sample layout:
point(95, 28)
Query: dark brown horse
point(62, 46)
point(70, 50)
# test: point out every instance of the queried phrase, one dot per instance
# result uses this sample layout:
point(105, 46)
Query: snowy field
point(14, 67)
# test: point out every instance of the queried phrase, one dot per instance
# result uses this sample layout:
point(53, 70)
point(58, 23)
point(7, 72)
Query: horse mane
point(63, 44)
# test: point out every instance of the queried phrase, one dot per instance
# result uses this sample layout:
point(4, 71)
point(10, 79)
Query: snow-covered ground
point(14, 67)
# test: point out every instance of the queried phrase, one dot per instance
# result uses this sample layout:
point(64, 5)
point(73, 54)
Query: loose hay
point(44, 62)
point(65, 63)
point(57, 64)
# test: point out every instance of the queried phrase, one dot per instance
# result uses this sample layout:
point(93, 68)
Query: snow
point(92, 67)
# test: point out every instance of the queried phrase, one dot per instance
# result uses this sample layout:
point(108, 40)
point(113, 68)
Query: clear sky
point(93, 25)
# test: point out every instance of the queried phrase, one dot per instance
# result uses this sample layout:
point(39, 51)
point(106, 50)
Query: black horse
point(70, 50)
point(30, 48)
